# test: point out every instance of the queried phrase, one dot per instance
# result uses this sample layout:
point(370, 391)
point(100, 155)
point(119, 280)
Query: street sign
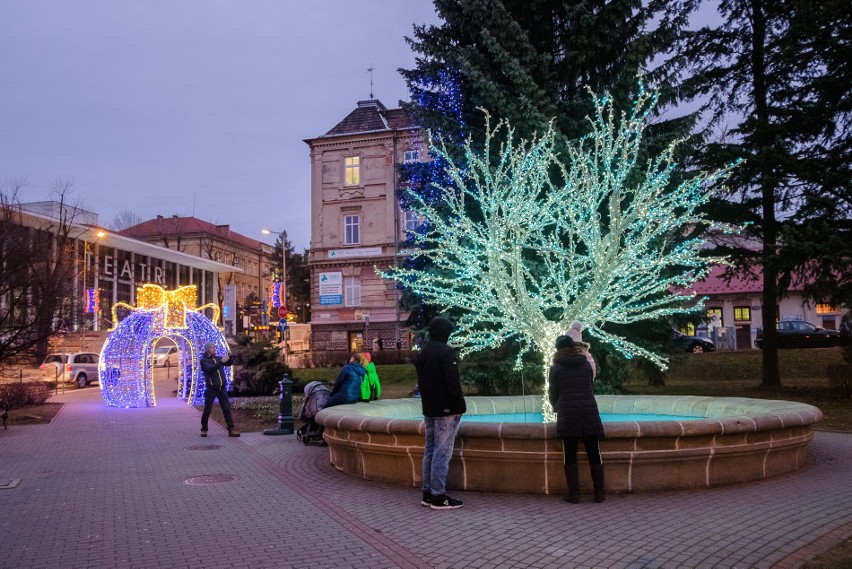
point(282, 311)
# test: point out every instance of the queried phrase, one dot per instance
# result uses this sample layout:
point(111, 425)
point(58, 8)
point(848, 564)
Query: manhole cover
point(209, 479)
point(203, 447)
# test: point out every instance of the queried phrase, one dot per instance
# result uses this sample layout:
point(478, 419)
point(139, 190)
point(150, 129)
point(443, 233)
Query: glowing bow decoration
point(173, 303)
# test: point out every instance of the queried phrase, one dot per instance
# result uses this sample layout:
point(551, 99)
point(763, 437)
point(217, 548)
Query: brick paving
point(105, 488)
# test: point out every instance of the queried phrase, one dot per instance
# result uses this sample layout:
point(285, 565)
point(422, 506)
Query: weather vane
point(370, 71)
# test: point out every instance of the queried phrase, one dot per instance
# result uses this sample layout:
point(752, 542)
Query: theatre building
point(107, 267)
point(356, 225)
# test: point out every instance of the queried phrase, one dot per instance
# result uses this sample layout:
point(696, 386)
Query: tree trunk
point(763, 141)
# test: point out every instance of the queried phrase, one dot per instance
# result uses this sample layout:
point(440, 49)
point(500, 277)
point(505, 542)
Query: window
point(411, 221)
point(352, 170)
point(351, 230)
point(352, 291)
point(827, 309)
point(715, 314)
point(742, 314)
point(410, 156)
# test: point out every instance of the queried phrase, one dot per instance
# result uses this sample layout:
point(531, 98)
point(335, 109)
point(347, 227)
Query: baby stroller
point(317, 394)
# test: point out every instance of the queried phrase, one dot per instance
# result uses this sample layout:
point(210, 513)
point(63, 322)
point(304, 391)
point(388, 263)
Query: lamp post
point(283, 277)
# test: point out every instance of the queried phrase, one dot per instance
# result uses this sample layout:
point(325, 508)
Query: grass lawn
point(737, 374)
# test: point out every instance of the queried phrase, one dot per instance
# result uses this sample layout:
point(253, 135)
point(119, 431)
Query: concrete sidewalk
point(108, 488)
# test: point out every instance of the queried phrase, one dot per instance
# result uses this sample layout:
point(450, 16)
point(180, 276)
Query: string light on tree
point(521, 256)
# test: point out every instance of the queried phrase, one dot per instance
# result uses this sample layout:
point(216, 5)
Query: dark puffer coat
point(572, 396)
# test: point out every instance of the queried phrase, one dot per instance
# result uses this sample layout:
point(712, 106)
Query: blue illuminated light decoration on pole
point(126, 369)
point(93, 299)
point(521, 256)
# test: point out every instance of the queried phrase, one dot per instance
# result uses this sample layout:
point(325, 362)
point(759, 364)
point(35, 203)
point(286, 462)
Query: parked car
point(71, 367)
point(799, 334)
point(694, 344)
point(165, 356)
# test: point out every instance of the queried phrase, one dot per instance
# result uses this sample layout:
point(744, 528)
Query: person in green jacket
point(370, 387)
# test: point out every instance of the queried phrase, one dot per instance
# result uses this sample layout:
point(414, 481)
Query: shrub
point(257, 369)
point(18, 395)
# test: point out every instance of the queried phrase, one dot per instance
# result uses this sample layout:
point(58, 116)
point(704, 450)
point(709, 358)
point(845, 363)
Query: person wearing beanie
point(370, 387)
point(443, 405)
point(215, 387)
point(347, 386)
point(575, 332)
point(571, 394)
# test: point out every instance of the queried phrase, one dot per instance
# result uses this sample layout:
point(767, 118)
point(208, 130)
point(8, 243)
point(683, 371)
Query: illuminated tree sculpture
point(521, 256)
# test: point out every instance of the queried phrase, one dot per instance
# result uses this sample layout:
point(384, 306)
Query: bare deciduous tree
point(37, 260)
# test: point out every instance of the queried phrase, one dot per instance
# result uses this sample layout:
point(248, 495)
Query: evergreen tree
point(779, 71)
point(528, 62)
point(298, 278)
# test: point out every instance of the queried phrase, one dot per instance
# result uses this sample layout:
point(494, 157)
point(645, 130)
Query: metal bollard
point(285, 409)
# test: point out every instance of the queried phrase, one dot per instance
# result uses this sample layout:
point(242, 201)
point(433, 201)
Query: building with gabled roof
point(737, 300)
point(252, 260)
point(356, 227)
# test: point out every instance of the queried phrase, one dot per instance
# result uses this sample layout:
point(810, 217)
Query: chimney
point(159, 217)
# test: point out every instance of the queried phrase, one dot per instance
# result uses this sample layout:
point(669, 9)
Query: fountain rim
point(715, 416)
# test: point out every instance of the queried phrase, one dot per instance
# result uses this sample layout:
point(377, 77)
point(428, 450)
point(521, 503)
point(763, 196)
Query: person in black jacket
point(571, 394)
point(215, 386)
point(443, 405)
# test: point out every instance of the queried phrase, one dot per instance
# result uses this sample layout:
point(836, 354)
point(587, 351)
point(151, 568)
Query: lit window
point(411, 221)
point(827, 309)
point(352, 290)
point(410, 156)
point(712, 313)
point(742, 314)
point(352, 170)
point(351, 230)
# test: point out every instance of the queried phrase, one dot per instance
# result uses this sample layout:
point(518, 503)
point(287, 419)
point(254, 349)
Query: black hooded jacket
point(571, 393)
point(438, 373)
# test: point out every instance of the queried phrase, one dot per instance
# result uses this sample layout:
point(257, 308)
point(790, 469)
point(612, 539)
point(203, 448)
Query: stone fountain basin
point(733, 440)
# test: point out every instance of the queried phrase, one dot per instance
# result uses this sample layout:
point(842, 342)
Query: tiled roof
point(170, 226)
point(716, 283)
point(371, 116)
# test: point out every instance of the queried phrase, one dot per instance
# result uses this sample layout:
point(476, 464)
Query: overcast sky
point(190, 107)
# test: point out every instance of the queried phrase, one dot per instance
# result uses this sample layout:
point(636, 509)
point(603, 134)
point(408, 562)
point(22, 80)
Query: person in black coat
point(216, 387)
point(443, 405)
point(571, 393)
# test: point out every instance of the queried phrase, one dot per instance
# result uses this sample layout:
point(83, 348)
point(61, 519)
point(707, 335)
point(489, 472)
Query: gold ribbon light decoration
point(173, 303)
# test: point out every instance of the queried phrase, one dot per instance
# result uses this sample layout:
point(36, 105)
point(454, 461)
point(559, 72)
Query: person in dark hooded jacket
point(347, 386)
point(571, 395)
point(443, 405)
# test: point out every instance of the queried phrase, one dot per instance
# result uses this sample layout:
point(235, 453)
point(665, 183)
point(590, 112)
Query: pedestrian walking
point(443, 405)
point(216, 387)
point(571, 394)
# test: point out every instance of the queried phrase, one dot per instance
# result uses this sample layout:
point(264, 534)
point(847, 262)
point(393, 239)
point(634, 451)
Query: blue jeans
point(440, 438)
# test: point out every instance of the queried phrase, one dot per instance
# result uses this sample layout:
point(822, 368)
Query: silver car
point(165, 356)
point(71, 367)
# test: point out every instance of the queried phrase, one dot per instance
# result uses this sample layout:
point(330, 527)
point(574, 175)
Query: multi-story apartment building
point(252, 260)
point(356, 227)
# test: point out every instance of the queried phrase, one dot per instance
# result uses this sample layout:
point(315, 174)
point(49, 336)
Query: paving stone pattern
point(105, 488)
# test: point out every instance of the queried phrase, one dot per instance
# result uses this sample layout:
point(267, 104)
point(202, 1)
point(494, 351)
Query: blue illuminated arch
point(126, 370)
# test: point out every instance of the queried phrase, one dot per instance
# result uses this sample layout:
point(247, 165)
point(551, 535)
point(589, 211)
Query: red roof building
point(252, 260)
